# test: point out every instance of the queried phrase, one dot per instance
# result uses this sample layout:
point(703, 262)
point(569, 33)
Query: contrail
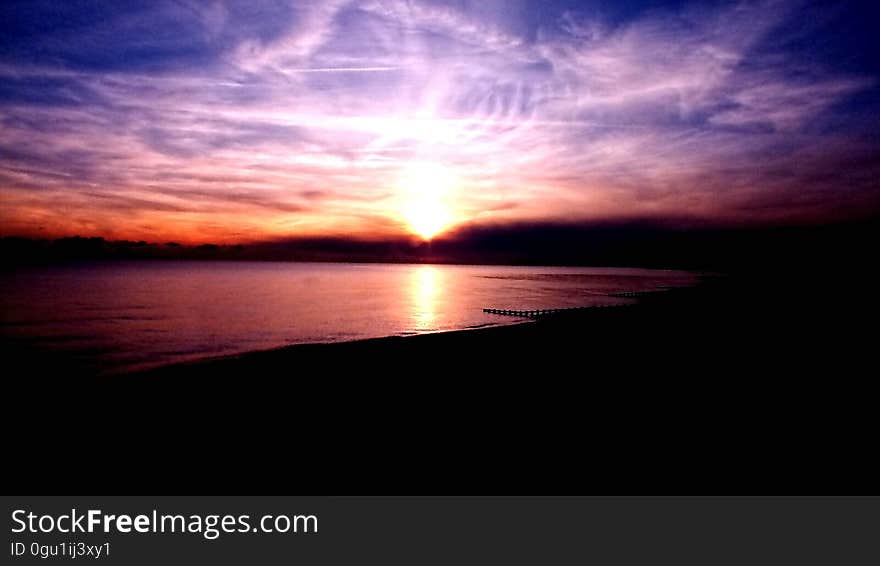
point(340, 69)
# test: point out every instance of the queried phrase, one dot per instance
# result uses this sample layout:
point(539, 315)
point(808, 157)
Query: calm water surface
point(132, 315)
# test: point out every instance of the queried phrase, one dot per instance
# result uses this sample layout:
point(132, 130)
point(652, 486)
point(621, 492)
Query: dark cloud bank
point(650, 244)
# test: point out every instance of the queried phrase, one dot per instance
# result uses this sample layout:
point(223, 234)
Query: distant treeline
point(26, 251)
point(548, 244)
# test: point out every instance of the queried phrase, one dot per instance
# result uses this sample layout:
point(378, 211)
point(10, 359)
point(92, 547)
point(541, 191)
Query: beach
point(723, 328)
point(739, 326)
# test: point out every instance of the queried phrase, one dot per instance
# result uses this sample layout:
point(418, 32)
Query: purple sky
point(226, 122)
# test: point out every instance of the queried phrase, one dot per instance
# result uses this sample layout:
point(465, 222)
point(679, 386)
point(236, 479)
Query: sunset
point(611, 211)
point(242, 122)
point(624, 246)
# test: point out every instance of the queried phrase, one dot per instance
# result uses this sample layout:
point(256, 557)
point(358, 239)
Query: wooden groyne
point(634, 294)
point(539, 312)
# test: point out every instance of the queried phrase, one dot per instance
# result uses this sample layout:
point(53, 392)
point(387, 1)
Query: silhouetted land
point(632, 244)
point(754, 377)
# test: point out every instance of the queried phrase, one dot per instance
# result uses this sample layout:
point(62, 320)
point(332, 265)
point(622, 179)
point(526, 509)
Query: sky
point(257, 120)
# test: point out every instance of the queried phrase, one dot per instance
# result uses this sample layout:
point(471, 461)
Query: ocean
point(125, 316)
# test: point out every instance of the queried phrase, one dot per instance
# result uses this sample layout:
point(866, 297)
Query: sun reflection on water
point(425, 288)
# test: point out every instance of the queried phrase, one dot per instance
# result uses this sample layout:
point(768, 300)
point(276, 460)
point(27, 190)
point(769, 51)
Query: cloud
point(298, 119)
point(312, 25)
point(785, 104)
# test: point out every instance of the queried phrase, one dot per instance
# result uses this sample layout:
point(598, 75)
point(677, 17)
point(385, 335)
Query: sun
point(426, 219)
point(426, 191)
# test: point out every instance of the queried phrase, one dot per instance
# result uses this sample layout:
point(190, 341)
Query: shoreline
point(568, 315)
point(235, 355)
point(724, 327)
point(82, 345)
point(724, 324)
point(314, 347)
point(515, 321)
point(487, 340)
